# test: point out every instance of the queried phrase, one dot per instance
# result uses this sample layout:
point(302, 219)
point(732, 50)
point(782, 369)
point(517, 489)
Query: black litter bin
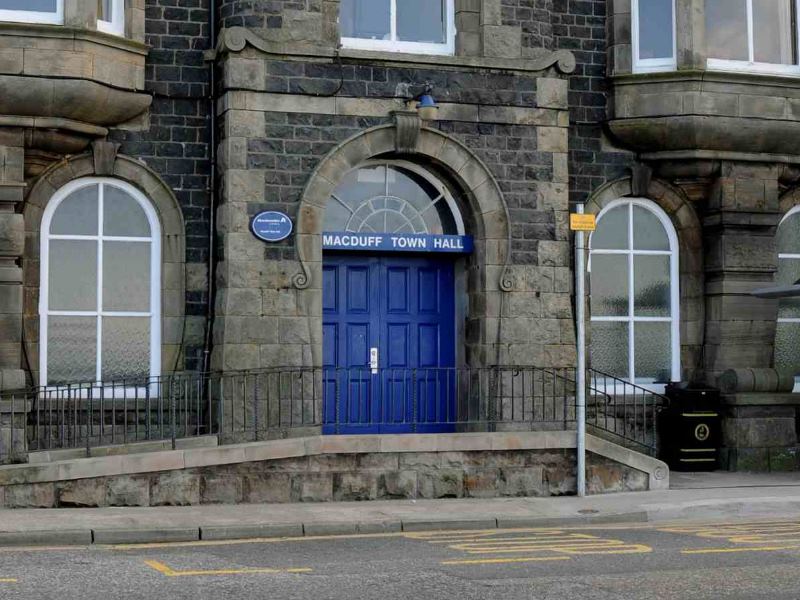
point(690, 428)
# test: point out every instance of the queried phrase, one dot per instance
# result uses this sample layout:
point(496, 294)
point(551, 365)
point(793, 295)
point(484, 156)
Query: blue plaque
point(271, 226)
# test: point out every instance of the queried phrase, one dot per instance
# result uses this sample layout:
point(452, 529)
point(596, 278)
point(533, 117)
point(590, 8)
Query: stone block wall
point(533, 17)
point(740, 255)
point(580, 27)
point(13, 431)
point(175, 141)
point(491, 28)
point(283, 116)
point(339, 477)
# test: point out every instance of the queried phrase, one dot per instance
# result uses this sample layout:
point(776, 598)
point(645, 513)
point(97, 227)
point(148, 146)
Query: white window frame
point(790, 256)
point(651, 65)
point(30, 16)
point(394, 45)
point(674, 271)
point(155, 276)
point(751, 66)
point(117, 24)
point(444, 192)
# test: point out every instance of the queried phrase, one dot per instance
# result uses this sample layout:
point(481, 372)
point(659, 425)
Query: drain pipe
point(212, 187)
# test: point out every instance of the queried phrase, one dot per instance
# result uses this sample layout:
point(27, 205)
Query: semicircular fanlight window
point(391, 198)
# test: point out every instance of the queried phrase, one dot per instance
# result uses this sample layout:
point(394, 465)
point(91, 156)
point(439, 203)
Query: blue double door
point(388, 344)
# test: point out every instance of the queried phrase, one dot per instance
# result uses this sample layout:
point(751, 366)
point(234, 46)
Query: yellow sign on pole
point(582, 222)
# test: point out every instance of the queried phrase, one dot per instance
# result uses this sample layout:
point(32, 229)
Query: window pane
point(773, 36)
point(122, 214)
point(609, 349)
point(648, 232)
point(77, 213)
point(105, 10)
point(652, 352)
point(789, 235)
point(71, 350)
point(72, 275)
point(655, 29)
point(126, 348)
point(787, 347)
point(612, 230)
point(726, 29)
point(788, 274)
point(413, 204)
point(365, 19)
point(31, 5)
point(421, 21)
point(126, 276)
point(609, 285)
point(651, 286)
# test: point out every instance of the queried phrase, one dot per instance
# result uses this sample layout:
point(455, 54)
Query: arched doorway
point(392, 234)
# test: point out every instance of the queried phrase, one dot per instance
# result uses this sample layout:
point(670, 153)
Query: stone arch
point(489, 213)
point(173, 244)
point(690, 258)
point(789, 200)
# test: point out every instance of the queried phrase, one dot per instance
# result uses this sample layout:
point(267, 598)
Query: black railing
point(622, 411)
point(278, 403)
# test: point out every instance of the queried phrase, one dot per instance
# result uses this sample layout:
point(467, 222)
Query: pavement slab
point(698, 497)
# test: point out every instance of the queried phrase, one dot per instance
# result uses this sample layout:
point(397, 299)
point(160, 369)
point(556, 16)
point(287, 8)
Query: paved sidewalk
point(772, 496)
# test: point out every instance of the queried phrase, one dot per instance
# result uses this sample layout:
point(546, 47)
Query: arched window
point(634, 293)
point(392, 197)
point(787, 335)
point(100, 287)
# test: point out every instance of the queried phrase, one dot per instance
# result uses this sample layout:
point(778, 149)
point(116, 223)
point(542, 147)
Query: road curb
point(63, 537)
point(158, 535)
point(149, 535)
point(213, 532)
point(240, 532)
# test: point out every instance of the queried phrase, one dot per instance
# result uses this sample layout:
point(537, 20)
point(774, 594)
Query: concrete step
point(45, 456)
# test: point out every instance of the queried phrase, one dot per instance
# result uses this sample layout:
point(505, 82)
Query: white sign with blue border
point(271, 226)
point(397, 242)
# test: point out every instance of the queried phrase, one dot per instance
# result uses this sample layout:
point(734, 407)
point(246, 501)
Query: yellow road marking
point(770, 536)
point(497, 561)
point(275, 540)
point(731, 550)
point(544, 543)
point(168, 572)
point(674, 527)
point(8, 580)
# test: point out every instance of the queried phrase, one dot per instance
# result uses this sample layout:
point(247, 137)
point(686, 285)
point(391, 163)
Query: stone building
point(141, 142)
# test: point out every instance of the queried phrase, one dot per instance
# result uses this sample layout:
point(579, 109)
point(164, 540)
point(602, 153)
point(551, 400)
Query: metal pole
point(580, 317)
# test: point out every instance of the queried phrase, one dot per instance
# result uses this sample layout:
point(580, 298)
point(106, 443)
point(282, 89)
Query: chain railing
point(278, 403)
point(622, 411)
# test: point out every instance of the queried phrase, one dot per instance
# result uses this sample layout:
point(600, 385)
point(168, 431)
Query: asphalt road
point(678, 561)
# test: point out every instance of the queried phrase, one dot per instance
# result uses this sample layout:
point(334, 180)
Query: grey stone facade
point(293, 125)
point(539, 106)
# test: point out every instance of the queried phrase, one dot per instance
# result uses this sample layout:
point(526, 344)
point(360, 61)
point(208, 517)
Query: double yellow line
point(169, 572)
